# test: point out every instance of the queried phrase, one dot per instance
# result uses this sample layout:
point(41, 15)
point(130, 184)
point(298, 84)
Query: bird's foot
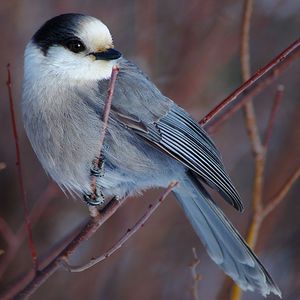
point(97, 168)
point(95, 198)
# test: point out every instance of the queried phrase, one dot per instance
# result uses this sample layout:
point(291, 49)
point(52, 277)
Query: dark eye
point(75, 46)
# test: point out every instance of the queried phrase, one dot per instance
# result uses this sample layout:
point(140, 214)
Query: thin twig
point(245, 38)
point(106, 111)
point(263, 77)
point(249, 93)
point(275, 107)
point(88, 230)
point(196, 276)
point(50, 268)
point(250, 116)
point(280, 195)
point(276, 65)
point(130, 232)
point(19, 169)
point(252, 129)
point(107, 105)
point(259, 148)
point(20, 235)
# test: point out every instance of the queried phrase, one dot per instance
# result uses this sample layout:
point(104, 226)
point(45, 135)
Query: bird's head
point(72, 46)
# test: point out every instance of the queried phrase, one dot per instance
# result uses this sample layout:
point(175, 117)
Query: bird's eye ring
point(75, 46)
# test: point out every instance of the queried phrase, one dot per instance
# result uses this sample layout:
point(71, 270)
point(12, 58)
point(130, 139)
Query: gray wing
point(135, 96)
point(180, 136)
point(139, 105)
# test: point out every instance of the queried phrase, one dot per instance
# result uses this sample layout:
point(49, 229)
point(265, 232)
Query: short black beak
point(109, 54)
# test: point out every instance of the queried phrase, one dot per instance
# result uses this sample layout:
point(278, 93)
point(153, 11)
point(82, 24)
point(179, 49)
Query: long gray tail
point(223, 243)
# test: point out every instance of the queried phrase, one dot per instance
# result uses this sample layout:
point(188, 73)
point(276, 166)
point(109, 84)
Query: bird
point(150, 140)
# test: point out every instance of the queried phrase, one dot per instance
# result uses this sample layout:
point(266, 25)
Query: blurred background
point(190, 49)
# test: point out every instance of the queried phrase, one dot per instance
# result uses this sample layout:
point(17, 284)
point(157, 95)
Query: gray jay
point(149, 142)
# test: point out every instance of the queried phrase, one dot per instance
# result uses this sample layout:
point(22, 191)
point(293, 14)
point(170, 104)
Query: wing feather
point(180, 136)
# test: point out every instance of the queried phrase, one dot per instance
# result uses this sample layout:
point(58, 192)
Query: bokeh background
point(191, 51)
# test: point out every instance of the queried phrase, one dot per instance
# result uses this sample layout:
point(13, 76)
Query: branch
point(52, 267)
point(88, 230)
point(130, 232)
point(258, 147)
point(36, 212)
point(252, 130)
point(196, 276)
point(19, 169)
point(275, 107)
point(258, 82)
point(106, 111)
point(277, 199)
point(250, 116)
point(232, 102)
point(107, 105)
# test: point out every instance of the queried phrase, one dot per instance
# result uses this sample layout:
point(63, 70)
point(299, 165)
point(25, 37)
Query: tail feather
point(223, 243)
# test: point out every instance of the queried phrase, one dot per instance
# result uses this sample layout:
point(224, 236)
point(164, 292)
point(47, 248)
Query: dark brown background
point(191, 51)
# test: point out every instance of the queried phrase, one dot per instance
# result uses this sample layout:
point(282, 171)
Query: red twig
point(277, 199)
point(130, 232)
point(196, 276)
point(50, 268)
point(94, 223)
point(18, 238)
point(234, 101)
point(106, 111)
point(88, 230)
point(275, 107)
point(19, 169)
point(107, 106)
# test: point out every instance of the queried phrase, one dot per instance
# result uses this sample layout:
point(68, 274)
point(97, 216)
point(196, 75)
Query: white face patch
point(95, 34)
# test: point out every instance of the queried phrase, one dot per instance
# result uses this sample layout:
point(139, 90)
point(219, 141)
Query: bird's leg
point(95, 197)
point(97, 168)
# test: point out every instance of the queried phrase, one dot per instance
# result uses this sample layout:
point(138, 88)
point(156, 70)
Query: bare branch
point(258, 82)
point(42, 275)
point(275, 107)
point(35, 214)
point(277, 199)
point(19, 169)
point(245, 37)
point(107, 106)
point(262, 78)
point(130, 232)
point(258, 147)
point(251, 124)
point(88, 230)
point(106, 111)
point(196, 276)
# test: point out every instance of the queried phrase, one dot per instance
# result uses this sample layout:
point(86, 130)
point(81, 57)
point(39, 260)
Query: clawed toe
point(97, 168)
point(93, 199)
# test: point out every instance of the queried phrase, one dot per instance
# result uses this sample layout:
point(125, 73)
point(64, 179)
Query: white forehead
point(95, 34)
